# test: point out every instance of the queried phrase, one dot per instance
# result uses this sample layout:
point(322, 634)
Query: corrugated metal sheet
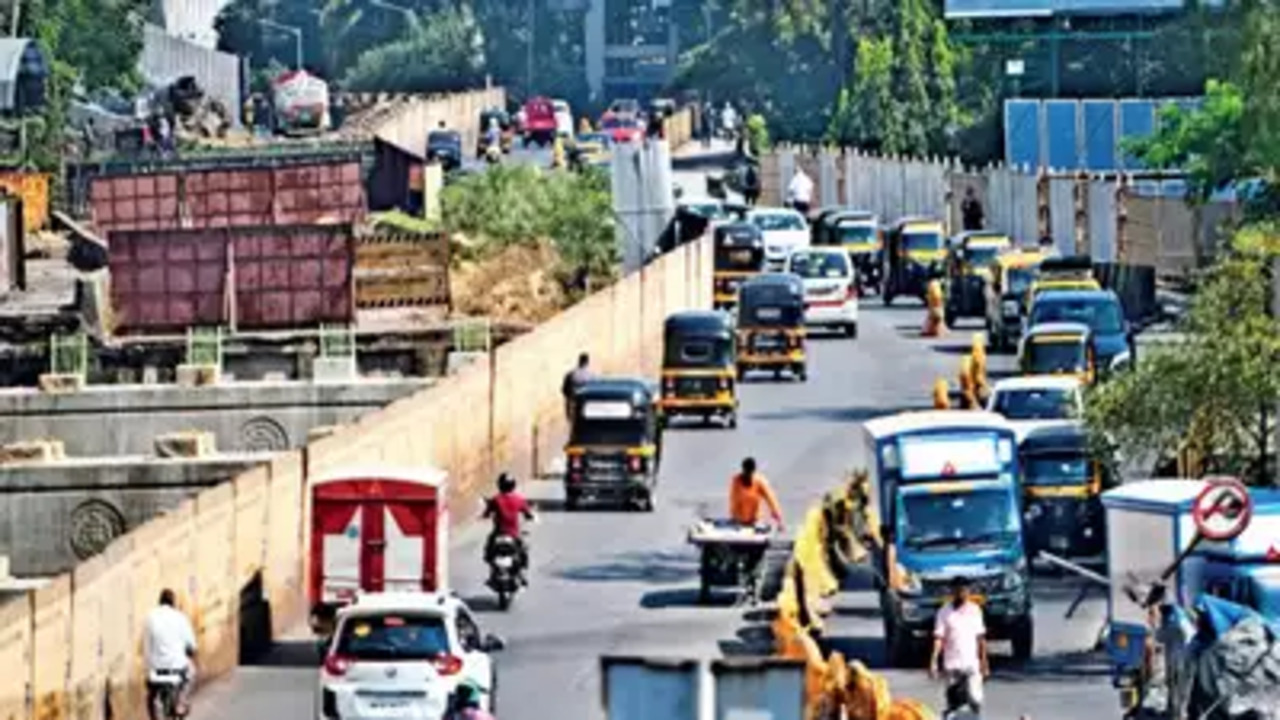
point(1062, 141)
point(1022, 132)
point(166, 58)
point(168, 280)
point(293, 276)
point(1071, 135)
point(289, 195)
point(1100, 134)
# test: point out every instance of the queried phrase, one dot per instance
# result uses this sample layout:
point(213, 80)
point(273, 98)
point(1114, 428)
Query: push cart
point(732, 557)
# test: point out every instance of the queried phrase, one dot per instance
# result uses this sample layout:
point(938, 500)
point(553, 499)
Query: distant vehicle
point(1037, 401)
point(624, 107)
point(564, 118)
point(404, 655)
point(830, 287)
point(540, 126)
point(445, 147)
point(784, 230)
point(301, 103)
point(1101, 311)
point(622, 128)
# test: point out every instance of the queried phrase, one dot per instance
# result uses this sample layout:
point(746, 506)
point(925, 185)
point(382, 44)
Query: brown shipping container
point(284, 276)
point(197, 199)
point(294, 276)
point(162, 280)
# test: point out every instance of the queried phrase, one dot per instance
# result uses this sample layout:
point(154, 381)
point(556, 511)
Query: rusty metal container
point(293, 276)
point(166, 281)
point(136, 202)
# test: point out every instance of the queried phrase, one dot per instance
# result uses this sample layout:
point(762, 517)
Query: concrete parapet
point(61, 383)
point(33, 451)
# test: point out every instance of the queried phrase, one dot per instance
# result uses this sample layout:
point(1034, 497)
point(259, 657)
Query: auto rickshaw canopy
point(772, 300)
point(857, 230)
point(698, 339)
point(1060, 348)
point(913, 235)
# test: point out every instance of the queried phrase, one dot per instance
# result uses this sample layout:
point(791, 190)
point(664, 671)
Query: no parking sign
point(1223, 509)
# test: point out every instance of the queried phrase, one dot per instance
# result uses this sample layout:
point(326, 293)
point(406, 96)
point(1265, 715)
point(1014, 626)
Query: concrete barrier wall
point(407, 124)
point(74, 648)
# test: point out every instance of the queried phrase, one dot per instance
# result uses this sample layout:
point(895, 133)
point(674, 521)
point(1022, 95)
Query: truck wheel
point(1023, 640)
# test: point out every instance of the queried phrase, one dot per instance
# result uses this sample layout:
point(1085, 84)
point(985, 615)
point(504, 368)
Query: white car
point(784, 231)
point(830, 287)
point(403, 655)
point(564, 118)
point(1037, 401)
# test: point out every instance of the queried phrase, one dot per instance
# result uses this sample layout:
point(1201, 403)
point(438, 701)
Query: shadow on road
point(1065, 667)
point(683, 597)
point(953, 349)
point(833, 414)
point(753, 640)
point(557, 505)
point(681, 424)
point(649, 567)
point(483, 604)
point(290, 654)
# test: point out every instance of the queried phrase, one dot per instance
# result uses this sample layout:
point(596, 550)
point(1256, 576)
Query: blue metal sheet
point(642, 688)
point(1062, 128)
point(1137, 120)
point(986, 9)
point(763, 689)
point(1099, 134)
point(1022, 132)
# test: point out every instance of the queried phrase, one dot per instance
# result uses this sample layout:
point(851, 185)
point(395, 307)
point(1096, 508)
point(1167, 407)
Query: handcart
point(732, 557)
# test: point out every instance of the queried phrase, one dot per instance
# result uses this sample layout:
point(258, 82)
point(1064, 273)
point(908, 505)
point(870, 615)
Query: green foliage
point(1207, 142)
point(1217, 384)
point(522, 204)
point(444, 54)
point(757, 131)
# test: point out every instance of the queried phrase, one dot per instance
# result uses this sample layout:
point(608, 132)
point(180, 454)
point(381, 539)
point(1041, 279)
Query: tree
point(865, 114)
point(1220, 385)
point(444, 54)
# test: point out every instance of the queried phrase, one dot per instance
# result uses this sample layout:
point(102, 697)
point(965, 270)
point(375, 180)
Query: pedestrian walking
point(972, 216)
point(960, 650)
point(574, 380)
point(800, 192)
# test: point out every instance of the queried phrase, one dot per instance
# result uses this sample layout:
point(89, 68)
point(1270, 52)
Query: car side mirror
point(492, 643)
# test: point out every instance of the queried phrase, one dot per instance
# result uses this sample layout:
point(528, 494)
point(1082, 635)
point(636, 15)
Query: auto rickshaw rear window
point(1057, 470)
point(772, 315)
point(922, 241)
point(630, 432)
point(1019, 279)
point(738, 259)
point(981, 255)
point(697, 351)
point(607, 410)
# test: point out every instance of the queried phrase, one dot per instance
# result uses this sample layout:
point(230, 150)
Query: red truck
point(539, 122)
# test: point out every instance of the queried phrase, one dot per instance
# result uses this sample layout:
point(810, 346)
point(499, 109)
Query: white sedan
point(830, 287)
point(1036, 401)
point(403, 655)
point(784, 231)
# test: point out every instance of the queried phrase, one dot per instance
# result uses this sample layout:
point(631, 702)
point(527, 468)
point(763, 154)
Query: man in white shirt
point(960, 643)
point(169, 646)
point(800, 192)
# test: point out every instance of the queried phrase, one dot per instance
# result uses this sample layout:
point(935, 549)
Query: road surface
point(613, 582)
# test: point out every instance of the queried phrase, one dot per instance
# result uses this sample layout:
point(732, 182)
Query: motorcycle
point(505, 569)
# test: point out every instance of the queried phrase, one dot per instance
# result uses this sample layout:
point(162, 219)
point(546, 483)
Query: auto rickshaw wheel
point(900, 650)
point(851, 330)
point(801, 373)
point(731, 420)
point(948, 317)
point(645, 502)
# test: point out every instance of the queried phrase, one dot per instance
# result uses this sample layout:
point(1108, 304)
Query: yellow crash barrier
point(981, 384)
point(941, 395)
point(934, 315)
point(968, 388)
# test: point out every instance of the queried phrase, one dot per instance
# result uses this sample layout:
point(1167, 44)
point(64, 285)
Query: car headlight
point(910, 582)
point(1011, 581)
point(1009, 308)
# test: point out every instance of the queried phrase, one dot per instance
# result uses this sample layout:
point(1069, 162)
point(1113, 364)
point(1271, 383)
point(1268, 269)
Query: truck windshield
point(1056, 470)
point(942, 521)
point(393, 637)
point(627, 433)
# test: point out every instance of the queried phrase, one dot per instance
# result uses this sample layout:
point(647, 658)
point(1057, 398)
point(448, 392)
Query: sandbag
point(1238, 676)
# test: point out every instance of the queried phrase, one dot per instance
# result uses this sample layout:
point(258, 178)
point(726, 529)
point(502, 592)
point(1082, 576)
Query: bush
point(522, 204)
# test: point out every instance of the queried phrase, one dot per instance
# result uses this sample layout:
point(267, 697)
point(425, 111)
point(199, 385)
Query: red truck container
point(539, 121)
point(377, 530)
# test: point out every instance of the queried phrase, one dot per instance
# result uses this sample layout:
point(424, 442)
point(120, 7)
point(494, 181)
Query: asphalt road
point(614, 582)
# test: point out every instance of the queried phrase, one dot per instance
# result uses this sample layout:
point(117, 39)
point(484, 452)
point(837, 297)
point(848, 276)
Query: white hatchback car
point(1037, 401)
point(403, 655)
point(784, 230)
point(830, 287)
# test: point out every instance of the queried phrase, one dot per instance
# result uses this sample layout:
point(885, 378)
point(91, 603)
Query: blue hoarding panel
point(1099, 135)
point(1137, 120)
point(1063, 141)
point(1022, 132)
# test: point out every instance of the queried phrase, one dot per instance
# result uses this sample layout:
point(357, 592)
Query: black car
point(445, 147)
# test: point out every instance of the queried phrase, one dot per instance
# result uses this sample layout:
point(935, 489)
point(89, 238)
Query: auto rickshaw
point(1069, 273)
point(698, 379)
point(615, 443)
point(1062, 486)
point(1012, 275)
point(969, 257)
point(915, 249)
point(505, 123)
point(771, 325)
point(1060, 348)
point(858, 232)
point(739, 256)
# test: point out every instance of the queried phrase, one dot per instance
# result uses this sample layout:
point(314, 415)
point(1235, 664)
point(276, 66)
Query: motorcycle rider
point(506, 509)
point(466, 704)
point(169, 646)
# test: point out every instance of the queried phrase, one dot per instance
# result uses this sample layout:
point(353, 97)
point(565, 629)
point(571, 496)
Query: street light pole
point(410, 16)
point(296, 32)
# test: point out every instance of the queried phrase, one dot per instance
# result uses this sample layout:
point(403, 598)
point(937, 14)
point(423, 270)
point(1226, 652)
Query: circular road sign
point(1222, 510)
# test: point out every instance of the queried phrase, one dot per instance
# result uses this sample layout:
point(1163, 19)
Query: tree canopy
point(444, 54)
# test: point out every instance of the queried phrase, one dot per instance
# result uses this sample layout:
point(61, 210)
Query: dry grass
point(515, 284)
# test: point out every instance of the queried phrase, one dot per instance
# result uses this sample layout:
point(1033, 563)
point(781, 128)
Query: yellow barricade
point(33, 189)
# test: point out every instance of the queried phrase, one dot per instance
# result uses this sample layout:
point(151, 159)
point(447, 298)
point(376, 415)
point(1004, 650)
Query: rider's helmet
point(468, 694)
point(506, 483)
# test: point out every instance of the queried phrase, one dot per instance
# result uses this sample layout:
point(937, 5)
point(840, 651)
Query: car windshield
point(393, 637)
point(1102, 315)
point(627, 433)
point(778, 221)
point(943, 521)
point(857, 233)
point(1036, 404)
point(713, 211)
point(1056, 469)
point(820, 265)
point(921, 241)
point(1019, 279)
point(698, 352)
point(1056, 356)
point(615, 123)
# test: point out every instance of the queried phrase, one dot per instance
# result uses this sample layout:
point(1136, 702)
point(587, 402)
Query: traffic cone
point(557, 154)
point(981, 385)
point(941, 395)
point(968, 391)
point(934, 317)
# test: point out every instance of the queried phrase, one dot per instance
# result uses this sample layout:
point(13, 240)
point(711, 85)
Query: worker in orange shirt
point(746, 491)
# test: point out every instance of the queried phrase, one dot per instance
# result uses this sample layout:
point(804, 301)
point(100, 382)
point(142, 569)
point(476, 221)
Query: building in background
point(190, 20)
point(631, 47)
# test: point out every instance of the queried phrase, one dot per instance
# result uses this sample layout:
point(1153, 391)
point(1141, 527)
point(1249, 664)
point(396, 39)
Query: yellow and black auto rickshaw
point(969, 257)
point(771, 325)
point(858, 232)
point(698, 378)
point(615, 443)
point(505, 124)
point(915, 249)
point(1012, 275)
point(739, 256)
point(1067, 273)
point(1060, 348)
point(1062, 486)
